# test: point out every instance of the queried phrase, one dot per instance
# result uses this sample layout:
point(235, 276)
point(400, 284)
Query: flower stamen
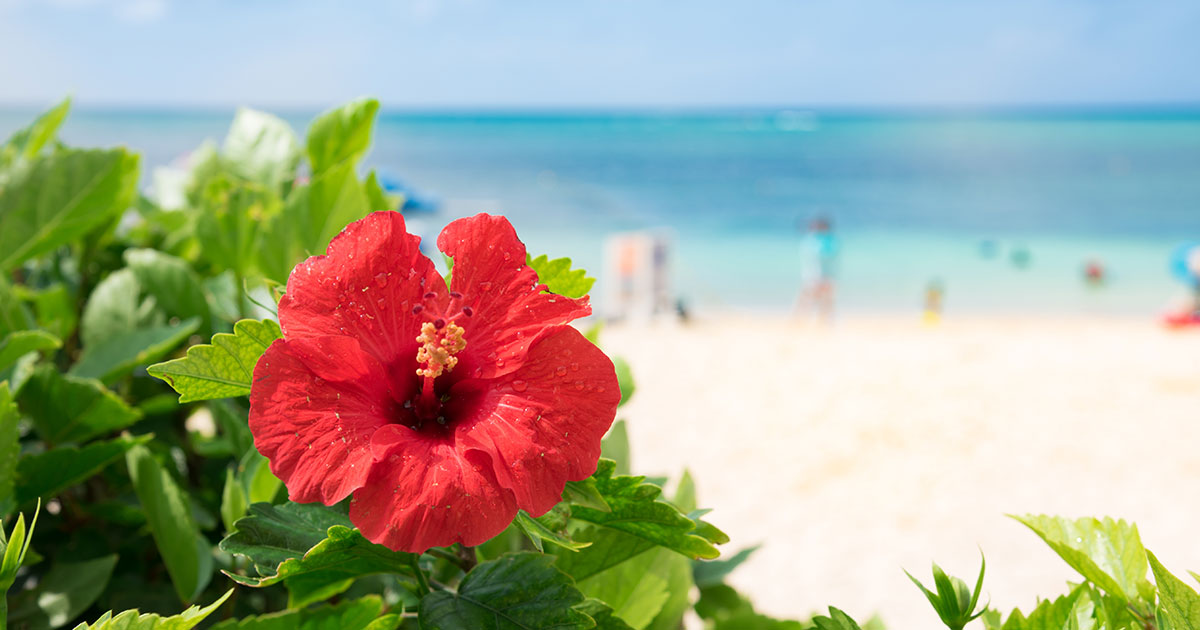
point(439, 344)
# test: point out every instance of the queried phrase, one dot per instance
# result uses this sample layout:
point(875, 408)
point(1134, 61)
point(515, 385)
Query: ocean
point(914, 197)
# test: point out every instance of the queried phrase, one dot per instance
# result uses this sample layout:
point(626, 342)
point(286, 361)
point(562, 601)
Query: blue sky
point(592, 53)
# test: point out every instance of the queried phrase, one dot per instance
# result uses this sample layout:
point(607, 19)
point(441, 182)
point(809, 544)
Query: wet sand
point(877, 444)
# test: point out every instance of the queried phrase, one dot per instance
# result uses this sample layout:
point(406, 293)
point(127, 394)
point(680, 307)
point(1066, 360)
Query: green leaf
point(327, 568)
point(14, 547)
point(678, 571)
point(17, 344)
point(186, 553)
point(636, 589)
point(61, 198)
point(585, 493)
point(45, 475)
point(714, 572)
point(615, 446)
point(28, 141)
point(176, 289)
point(1049, 614)
point(602, 614)
point(558, 276)
point(538, 533)
point(312, 215)
point(1108, 553)
point(261, 148)
point(10, 449)
point(233, 500)
point(378, 198)
point(223, 369)
point(514, 592)
point(638, 522)
point(117, 306)
point(230, 221)
point(55, 309)
point(14, 316)
point(341, 134)
point(357, 614)
point(837, 620)
point(1179, 602)
point(271, 534)
point(120, 354)
point(624, 379)
point(66, 408)
point(131, 620)
point(67, 590)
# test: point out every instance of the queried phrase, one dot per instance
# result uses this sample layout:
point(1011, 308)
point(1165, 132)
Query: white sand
point(856, 450)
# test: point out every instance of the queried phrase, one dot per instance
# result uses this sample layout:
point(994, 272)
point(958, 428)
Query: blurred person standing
point(818, 266)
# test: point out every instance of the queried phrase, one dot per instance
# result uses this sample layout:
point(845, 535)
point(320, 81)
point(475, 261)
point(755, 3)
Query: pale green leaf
point(538, 533)
point(60, 198)
point(262, 148)
point(357, 614)
point(28, 141)
point(602, 614)
point(636, 589)
point(229, 222)
point(186, 553)
point(66, 408)
point(117, 306)
point(378, 198)
point(131, 620)
point(223, 369)
point(14, 315)
point(514, 592)
point(17, 344)
point(341, 134)
point(1108, 553)
point(1179, 602)
point(45, 475)
point(176, 289)
point(615, 446)
point(559, 277)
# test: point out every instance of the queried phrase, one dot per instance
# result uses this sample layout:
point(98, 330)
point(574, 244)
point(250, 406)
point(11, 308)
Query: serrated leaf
point(186, 553)
point(271, 534)
point(1048, 615)
point(10, 449)
point(514, 592)
point(341, 134)
point(66, 408)
point(585, 493)
point(60, 198)
point(1108, 553)
point(45, 475)
point(678, 571)
point(120, 354)
point(1179, 602)
point(538, 533)
point(357, 614)
point(330, 566)
point(261, 148)
point(17, 344)
point(312, 215)
point(559, 277)
point(223, 369)
point(66, 591)
point(636, 589)
point(637, 512)
point(131, 620)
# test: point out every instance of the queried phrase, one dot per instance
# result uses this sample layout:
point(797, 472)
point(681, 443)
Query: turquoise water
point(911, 194)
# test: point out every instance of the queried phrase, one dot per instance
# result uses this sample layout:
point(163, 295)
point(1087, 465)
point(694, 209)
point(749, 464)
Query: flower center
point(439, 343)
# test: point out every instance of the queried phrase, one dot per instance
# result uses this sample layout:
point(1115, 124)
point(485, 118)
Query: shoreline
point(878, 443)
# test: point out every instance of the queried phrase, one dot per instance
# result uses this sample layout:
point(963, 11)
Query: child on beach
point(818, 251)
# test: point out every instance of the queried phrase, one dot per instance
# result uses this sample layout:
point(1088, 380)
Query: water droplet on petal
point(519, 385)
point(561, 370)
point(381, 280)
point(579, 385)
point(574, 367)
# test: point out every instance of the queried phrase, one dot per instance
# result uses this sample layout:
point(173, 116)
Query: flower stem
point(422, 581)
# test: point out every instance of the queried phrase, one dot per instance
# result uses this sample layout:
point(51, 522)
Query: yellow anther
point(438, 348)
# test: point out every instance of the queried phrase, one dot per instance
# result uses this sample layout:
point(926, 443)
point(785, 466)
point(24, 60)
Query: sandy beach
point(856, 450)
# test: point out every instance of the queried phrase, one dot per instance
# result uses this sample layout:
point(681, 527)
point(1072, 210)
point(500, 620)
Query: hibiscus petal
point(366, 287)
point(509, 307)
point(424, 493)
point(314, 405)
point(541, 425)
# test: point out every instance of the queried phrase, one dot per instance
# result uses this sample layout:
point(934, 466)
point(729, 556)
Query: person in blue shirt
point(818, 266)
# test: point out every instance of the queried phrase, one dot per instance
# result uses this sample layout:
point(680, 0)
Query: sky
point(429, 54)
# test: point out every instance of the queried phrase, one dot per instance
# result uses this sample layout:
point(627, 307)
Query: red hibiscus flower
point(442, 411)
